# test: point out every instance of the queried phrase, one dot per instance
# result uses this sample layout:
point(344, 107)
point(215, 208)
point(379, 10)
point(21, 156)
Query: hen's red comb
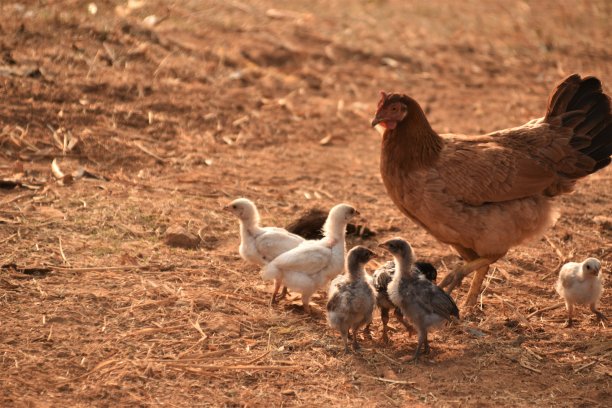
point(383, 99)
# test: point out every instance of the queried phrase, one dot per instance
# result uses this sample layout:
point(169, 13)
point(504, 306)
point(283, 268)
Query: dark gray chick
point(425, 304)
point(351, 298)
point(381, 278)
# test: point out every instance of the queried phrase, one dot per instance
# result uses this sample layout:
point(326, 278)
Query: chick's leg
point(600, 316)
point(384, 317)
point(345, 334)
point(306, 301)
point(570, 312)
point(355, 344)
point(421, 343)
point(277, 285)
point(402, 320)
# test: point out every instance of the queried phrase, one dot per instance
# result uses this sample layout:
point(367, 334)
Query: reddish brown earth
point(229, 98)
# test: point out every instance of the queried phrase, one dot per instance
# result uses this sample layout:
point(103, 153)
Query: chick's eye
point(588, 267)
point(234, 206)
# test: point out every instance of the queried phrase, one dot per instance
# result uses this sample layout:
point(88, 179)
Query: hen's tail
point(580, 105)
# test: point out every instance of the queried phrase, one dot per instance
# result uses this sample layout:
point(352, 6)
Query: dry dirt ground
point(269, 100)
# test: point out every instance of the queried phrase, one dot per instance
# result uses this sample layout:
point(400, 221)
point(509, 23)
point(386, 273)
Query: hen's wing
point(545, 156)
point(499, 167)
point(275, 241)
point(308, 258)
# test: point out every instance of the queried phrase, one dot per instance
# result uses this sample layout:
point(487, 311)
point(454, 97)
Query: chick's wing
point(307, 258)
point(276, 241)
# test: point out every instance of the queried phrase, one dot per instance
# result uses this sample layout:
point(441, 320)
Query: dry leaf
point(326, 140)
point(55, 169)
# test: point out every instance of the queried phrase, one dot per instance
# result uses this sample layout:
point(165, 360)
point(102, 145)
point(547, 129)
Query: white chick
point(260, 245)
point(351, 298)
point(419, 299)
point(311, 265)
point(580, 284)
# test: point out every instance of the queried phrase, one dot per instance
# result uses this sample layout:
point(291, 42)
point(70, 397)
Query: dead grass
point(227, 99)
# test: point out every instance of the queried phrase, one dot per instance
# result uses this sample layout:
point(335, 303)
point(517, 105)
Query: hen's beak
point(376, 120)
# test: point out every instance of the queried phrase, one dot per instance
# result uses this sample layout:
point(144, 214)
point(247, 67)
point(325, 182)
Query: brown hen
point(485, 194)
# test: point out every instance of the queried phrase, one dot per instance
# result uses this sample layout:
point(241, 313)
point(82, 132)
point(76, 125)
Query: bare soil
point(272, 101)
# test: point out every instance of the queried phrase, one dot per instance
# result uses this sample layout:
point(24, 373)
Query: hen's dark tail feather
point(581, 105)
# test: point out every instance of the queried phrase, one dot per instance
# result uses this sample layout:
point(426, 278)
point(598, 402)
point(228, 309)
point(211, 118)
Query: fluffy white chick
point(260, 245)
point(311, 265)
point(580, 284)
point(351, 298)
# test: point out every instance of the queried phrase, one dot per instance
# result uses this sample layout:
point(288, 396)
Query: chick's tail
point(580, 106)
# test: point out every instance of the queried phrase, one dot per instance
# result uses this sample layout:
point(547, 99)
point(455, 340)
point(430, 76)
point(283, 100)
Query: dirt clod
point(177, 236)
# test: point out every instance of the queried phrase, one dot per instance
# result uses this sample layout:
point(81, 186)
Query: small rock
point(177, 236)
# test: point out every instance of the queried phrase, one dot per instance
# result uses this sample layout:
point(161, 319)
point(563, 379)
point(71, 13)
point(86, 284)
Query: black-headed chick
point(351, 298)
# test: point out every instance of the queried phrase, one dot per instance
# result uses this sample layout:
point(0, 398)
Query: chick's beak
point(382, 245)
point(226, 207)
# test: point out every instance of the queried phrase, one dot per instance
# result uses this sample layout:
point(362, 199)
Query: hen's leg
point(453, 279)
point(600, 316)
point(284, 293)
point(472, 296)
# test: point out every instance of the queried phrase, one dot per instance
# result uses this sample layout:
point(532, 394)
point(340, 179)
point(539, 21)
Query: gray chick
point(426, 305)
point(380, 280)
point(351, 298)
point(580, 283)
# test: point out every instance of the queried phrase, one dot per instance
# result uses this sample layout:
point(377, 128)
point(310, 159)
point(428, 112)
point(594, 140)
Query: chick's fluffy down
point(351, 304)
